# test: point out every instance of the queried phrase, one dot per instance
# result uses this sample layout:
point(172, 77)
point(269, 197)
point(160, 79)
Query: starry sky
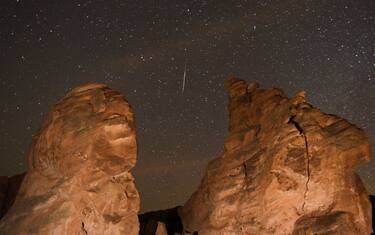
point(144, 48)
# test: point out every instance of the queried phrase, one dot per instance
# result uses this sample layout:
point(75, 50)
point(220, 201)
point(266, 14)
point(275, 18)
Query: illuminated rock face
point(78, 181)
point(287, 168)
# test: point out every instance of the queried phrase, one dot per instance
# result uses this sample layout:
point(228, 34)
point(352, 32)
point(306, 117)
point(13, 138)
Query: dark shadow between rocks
point(9, 190)
point(149, 221)
point(372, 199)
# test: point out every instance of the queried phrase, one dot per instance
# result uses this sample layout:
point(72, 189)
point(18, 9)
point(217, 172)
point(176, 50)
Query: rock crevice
point(307, 156)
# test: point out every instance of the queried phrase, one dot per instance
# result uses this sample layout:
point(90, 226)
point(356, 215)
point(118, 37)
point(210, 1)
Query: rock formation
point(287, 168)
point(9, 187)
point(160, 229)
point(78, 181)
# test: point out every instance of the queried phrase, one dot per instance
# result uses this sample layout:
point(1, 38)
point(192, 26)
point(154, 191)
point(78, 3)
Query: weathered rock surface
point(287, 168)
point(9, 187)
point(169, 218)
point(78, 181)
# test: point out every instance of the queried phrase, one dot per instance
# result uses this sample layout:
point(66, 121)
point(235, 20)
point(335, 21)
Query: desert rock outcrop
point(78, 181)
point(287, 168)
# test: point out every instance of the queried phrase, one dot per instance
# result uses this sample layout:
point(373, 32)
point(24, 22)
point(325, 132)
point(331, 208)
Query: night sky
point(144, 48)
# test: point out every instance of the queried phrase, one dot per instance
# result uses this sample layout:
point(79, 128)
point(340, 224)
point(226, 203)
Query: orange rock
point(78, 181)
point(287, 168)
point(161, 229)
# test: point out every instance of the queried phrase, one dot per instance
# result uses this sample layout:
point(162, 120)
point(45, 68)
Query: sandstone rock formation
point(287, 168)
point(78, 181)
point(9, 187)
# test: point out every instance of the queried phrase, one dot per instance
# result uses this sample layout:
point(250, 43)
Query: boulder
point(78, 179)
point(287, 168)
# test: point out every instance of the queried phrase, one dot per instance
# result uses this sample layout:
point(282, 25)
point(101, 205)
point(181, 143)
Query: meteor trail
point(184, 79)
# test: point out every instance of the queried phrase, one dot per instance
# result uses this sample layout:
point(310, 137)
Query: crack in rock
point(83, 228)
point(303, 134)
